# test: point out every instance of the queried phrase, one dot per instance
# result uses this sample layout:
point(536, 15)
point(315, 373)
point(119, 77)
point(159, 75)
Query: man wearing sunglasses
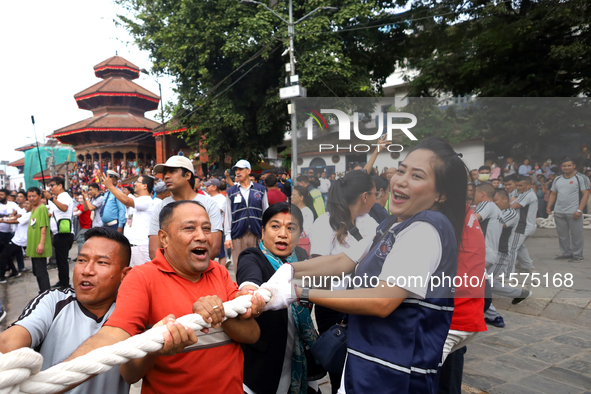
point(378, 212)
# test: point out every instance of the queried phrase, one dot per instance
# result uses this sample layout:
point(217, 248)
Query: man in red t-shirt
point(84, 220)
point(468, 316)
point(274, 194)
point(181, 273)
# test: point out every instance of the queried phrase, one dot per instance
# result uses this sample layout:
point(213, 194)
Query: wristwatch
point(304, 298)
point(579, 211)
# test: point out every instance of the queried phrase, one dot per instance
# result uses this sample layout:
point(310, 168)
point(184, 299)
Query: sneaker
point(2, 280)
point(526, 270)
point(497, 321)
point(563, 257)
point(15, 274)
point(228, 263)
point(25, 270)
point(2, 315)
point(576, 260)
point(58, 285)
point(524, 294)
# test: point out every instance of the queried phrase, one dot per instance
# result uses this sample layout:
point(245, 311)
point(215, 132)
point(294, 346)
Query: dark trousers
point(20, 259)
point(450, 376)
point(326, 318)
point(62, 244)
point(6, 257)
point(5, 240)
point(40, 272)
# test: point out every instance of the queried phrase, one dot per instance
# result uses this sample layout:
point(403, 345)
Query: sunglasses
point(378, 194)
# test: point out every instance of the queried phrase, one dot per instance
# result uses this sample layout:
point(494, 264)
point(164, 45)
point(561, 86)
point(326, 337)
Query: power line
point(390, 22)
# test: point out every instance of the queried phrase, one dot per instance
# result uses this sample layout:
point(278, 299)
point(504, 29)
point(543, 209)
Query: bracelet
point(579, 211)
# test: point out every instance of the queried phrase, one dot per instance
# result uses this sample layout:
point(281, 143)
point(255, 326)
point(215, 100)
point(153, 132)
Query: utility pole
point(294, 120)
point(293, 82)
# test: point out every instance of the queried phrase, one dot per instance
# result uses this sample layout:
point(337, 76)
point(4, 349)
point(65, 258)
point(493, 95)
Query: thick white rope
point(550, 223)
point(19, 369)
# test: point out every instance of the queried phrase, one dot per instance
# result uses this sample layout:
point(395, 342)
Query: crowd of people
point(160, 248)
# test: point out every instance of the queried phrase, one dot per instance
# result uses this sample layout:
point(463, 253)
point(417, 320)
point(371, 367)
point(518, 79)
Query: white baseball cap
point(175, 162)
point(242, 164)
point(111, 173)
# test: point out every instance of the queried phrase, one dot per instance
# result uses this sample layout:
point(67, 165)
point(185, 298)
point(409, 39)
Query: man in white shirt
point(18, 242)
point(509, 167)
point(324, 186)
point(7, 208)
point(212, 189)
point(179, 178)
point(21, 199)
point(138, 223)
point(63, 233)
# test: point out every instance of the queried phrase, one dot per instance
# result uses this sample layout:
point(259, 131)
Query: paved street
point(545, 346)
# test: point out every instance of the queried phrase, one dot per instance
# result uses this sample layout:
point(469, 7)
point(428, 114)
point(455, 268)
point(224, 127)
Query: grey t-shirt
point(97, 203)
point(58, 325)
point(567, 192)
point(491, 223)
point(527, 213)
point(215, 217)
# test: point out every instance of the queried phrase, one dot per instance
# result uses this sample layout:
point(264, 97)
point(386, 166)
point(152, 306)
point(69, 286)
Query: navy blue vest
point(402, 352)
point(247, 218)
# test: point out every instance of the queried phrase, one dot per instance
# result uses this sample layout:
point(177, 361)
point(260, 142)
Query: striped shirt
point(491, 223)
point(58, 325)
point(510, 219)
point(527, 213)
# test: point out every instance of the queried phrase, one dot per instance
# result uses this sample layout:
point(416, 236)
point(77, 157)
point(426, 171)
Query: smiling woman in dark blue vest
point(397, 325)
point(245, 205)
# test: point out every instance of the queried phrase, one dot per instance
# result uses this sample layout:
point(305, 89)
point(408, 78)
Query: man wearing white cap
point(245, 205)
point(113, 212)
point(179, 178)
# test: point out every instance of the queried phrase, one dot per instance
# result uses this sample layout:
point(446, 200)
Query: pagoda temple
point(118, 129)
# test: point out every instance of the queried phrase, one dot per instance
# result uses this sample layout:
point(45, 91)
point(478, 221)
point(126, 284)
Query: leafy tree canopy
point(512, 48)
point(227, 60)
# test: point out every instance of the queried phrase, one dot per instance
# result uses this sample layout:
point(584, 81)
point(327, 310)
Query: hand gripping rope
point(19, 369)
point(550, 223)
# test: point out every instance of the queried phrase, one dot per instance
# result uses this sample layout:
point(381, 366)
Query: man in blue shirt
point(113, 212)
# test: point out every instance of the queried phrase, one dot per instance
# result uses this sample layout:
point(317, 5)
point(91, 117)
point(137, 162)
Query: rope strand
point(19, 369)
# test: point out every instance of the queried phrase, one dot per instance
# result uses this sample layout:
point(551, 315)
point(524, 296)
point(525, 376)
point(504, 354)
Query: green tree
point(519, 48)
point(227, 60)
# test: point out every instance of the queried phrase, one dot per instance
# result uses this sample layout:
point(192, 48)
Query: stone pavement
point(545, 346)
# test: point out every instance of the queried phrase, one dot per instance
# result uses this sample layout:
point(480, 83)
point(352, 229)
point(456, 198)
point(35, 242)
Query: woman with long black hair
point(301, 198)
point(350, 199)
point(398, 326)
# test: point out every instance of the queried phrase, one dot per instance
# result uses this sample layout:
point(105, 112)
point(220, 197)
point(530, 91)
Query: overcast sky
point(49, 49)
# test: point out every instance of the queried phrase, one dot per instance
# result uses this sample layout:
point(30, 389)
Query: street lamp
point(291, 33)
point(144, 71)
